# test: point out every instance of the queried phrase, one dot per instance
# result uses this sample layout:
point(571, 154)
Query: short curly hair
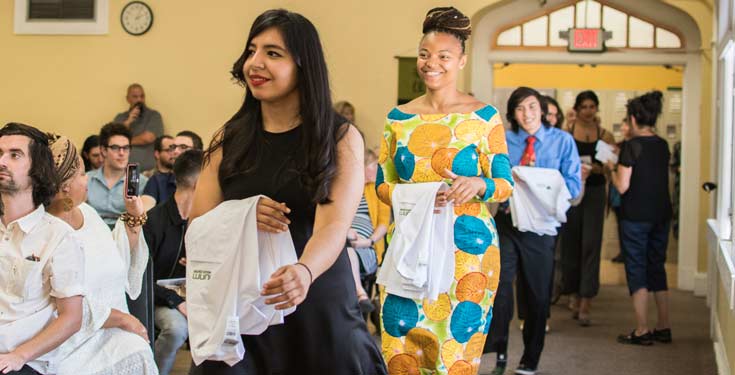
point(44, 180)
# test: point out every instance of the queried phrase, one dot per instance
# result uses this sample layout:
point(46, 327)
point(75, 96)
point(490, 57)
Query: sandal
point(663, 336)
point(645, 339)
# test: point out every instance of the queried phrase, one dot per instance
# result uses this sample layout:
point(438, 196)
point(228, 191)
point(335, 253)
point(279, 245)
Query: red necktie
point(529, 154)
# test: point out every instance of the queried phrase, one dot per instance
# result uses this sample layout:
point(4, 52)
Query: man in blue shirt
point(530, 143)
point(106, 185)
point(162, 186)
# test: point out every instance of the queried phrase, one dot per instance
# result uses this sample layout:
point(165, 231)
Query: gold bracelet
point(134, 221)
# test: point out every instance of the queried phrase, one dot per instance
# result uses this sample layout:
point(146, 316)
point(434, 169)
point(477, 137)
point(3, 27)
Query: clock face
point(136, 18)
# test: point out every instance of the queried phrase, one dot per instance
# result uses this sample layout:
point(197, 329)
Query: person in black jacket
point(164, 233)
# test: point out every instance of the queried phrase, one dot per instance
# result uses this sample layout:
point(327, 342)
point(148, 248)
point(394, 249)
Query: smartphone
point(132, 180)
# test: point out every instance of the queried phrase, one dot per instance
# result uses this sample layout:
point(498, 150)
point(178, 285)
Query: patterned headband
point(66, 158)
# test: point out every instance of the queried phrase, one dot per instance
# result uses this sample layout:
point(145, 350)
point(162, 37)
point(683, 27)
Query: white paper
point(605, 153)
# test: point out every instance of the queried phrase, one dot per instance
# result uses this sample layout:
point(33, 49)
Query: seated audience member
point(195, 141)
point(107, 184)
point(92, 153)
point(164, 233)
point(144, 123)
point(114, 264)
point(42, 284)
point(161, 184)
point(162, 153)
point(161, 187)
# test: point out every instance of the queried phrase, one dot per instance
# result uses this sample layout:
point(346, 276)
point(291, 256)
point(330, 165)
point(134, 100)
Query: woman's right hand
point(133, 325)
point(272, 216)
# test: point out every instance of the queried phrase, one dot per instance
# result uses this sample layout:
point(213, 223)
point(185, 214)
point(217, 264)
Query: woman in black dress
point(287, 143)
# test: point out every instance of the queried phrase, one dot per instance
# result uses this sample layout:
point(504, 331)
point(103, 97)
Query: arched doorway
point(489, 21)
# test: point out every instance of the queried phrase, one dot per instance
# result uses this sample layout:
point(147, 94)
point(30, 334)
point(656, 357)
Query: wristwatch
point(372, 242)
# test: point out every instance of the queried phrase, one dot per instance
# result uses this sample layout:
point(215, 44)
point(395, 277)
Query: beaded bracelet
point(311, 276)
point(134, 221)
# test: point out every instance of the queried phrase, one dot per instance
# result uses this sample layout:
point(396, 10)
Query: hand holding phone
point(132, 180)
point(133, 203)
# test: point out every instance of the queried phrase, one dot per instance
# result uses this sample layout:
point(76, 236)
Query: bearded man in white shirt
point(41, 265)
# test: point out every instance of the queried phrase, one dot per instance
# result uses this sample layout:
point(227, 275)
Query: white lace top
point(111, 270)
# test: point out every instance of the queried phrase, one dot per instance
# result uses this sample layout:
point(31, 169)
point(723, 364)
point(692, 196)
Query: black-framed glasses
point(116, 148)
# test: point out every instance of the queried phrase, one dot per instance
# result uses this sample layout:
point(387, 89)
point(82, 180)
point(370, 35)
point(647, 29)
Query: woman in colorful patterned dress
point(446, 135)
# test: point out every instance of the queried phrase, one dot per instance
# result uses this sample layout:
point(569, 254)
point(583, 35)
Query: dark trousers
point(533, 256)
point(645, 245)
point(618, 219)
point(554, 286)
point(581, 244)
point(25, 370)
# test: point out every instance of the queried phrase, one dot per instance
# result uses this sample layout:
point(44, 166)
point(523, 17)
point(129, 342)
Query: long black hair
point(586, 95)
point(242, 135)
point(91, 142)
point(44, 179)
point(559, 114)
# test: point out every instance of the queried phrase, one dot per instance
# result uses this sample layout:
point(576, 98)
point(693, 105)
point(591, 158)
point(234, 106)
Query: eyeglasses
point(116, 148)
point(173, 148)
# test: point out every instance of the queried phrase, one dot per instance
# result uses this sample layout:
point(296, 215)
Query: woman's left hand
point(287, 286)
point(464, 188)
point(134, 206)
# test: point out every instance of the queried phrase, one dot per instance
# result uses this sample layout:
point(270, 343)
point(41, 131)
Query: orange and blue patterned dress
point(446, 336)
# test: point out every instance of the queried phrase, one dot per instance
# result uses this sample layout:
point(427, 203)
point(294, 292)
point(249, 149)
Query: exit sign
point(586, 40)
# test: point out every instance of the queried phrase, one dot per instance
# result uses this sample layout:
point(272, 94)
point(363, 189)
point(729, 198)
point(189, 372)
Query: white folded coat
point(419, 262)
point(540, 200)
point(228, 261)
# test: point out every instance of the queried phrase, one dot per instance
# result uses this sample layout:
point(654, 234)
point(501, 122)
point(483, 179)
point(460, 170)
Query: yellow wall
point(601, 77)
point(74, 84)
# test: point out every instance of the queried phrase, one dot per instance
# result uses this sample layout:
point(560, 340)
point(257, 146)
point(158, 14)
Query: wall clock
point(136, 18)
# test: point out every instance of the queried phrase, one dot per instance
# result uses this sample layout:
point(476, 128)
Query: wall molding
point(723, 365)
point(700, 284)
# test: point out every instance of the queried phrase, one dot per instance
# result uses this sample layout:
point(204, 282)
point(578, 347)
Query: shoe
point(663, 336)
point(618, 258)
point(499, 370)
point(645, 339)
point(525, 370)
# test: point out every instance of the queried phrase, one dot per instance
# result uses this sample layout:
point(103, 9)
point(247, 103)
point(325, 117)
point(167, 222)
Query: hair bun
point(450, 20)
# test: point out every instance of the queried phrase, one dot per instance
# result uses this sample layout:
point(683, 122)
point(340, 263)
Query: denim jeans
point(645, 244)
point(173, 329)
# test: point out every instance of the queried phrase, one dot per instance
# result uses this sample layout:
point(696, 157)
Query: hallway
point(573, 350)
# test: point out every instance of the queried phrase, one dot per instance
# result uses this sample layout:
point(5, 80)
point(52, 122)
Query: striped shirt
point(362, 223)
